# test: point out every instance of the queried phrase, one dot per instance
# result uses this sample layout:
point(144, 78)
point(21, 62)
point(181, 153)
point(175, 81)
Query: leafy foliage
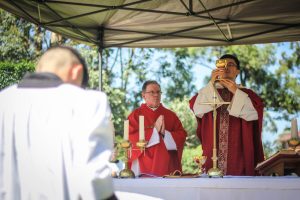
point(11, 73)
point(188, 164)
point(178, 78)
point(20, 40)
point(187, 119)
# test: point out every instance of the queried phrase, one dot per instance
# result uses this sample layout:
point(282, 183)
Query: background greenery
point(124, 71)
point(11, 73)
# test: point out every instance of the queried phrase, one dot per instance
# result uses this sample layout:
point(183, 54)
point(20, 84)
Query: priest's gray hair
point(148, 83)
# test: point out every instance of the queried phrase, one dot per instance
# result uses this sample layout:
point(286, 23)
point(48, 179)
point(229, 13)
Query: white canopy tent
point(164, 23)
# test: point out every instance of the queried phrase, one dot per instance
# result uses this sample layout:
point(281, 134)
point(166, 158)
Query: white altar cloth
point(229, 187)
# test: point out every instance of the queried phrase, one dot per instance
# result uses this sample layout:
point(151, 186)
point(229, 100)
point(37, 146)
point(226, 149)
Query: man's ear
point(143, 95)
point(77, 73)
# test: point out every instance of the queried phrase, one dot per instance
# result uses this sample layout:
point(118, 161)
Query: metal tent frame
point(164, 23)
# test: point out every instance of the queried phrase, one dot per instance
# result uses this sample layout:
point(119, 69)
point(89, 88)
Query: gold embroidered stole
point(223, 132)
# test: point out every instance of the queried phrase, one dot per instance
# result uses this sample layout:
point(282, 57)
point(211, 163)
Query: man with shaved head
point(63, 62)
point(55, 137)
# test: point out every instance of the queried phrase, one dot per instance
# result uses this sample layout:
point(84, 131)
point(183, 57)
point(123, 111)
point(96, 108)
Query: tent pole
point(100, 62)
point(100, 56)
point(191, 7)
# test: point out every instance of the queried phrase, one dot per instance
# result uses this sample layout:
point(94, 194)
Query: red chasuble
point(239, 141)
point(157, 160)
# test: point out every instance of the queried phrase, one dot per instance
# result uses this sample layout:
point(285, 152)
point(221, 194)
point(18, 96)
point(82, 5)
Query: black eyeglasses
point(231, 64)
point(153, 93)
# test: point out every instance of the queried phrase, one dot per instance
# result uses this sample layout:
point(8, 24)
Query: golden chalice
point(221, 65)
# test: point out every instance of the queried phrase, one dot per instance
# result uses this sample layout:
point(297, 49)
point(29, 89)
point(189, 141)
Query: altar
point(229, 187)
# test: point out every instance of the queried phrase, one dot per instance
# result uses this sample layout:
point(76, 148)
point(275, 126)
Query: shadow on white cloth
point(130, 196)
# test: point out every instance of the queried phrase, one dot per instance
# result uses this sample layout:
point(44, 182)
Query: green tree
point(20, 40)
point(11, 73)
point(175, 73)
point(288, 77)
point(187, 119)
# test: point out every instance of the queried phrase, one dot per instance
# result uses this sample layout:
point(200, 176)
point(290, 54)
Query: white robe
point(240, 106)
point(55, 144)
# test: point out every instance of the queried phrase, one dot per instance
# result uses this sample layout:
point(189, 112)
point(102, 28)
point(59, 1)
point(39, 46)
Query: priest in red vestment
point(163, 131)
point(239, 124)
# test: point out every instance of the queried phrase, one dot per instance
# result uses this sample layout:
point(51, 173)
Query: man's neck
point(152, 108)
point(40, 80)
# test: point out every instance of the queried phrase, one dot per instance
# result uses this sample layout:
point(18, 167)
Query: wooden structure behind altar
point(283, 163)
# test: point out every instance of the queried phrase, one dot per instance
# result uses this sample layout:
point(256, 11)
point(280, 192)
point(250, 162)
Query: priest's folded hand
point(163, 127)
point(158, 123)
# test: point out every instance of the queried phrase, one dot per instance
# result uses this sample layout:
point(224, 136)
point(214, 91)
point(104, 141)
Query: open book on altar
point(282, 163)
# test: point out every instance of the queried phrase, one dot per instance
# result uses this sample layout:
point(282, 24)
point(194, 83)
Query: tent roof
point(164, 23)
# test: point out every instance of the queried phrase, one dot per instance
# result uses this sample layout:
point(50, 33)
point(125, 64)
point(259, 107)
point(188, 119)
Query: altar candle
point(141, 128)
point(294, 128)
point(126, 129)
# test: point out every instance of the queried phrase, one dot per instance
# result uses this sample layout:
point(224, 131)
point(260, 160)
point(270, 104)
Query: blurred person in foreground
point(239, 124)
point(55, 137)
